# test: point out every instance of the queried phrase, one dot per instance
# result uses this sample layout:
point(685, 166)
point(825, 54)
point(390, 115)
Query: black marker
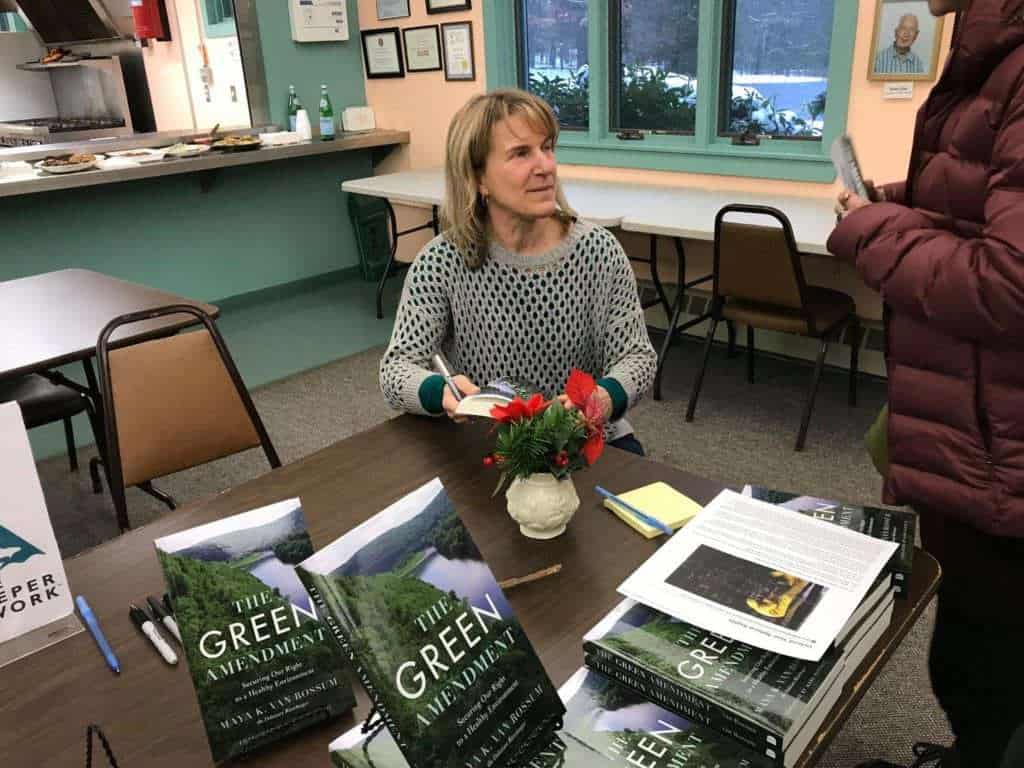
point(148, 628)
point(164, 618)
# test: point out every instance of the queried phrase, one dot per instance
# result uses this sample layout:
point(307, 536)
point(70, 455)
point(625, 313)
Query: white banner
point(33, 587)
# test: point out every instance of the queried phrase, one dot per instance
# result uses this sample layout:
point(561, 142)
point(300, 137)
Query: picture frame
point(382, 53)
point(393, 9)
point(422, 48)
point(906, 41)
point(448, 6)
point(457, 42)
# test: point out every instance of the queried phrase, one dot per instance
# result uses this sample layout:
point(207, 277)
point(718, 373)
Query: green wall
point(258, 226)
point(307, 65)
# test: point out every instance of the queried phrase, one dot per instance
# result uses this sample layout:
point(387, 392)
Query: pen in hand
point(442, 367)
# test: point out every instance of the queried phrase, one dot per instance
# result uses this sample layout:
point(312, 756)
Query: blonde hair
point(464, 214)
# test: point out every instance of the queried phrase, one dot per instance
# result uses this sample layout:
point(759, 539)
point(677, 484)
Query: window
point(670, 84)
point(775, 67)
point(553, 34)
point(219, 18)
point(11, 22)
point(653, 65)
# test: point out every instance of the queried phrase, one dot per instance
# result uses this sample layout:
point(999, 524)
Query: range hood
point(63, 22)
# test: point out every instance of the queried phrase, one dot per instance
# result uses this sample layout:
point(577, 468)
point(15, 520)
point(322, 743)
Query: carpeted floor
point(742, 433)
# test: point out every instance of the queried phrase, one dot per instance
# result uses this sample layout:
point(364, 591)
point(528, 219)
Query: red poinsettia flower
point(594, 447)
point(582, 391)
point(580, 387)
point(519, 409)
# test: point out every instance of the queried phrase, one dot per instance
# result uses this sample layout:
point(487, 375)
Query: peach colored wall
point(881, 129)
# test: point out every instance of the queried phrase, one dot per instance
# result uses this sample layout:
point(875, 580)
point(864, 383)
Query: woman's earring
point(483, 200)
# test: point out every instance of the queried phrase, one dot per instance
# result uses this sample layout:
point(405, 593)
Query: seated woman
point(516, 287)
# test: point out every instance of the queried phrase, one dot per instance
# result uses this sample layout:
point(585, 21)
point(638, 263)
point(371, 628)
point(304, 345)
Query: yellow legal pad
point(658, 500)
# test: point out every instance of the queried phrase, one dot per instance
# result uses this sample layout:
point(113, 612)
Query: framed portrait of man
point(906, 41)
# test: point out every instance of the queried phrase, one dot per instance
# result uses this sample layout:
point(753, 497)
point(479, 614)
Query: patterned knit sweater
point(528, 318)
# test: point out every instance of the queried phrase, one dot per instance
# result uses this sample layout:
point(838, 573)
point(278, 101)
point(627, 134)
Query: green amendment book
point(263, 664)
point(433, 640)
point(765, 701)
point(606, 724)
point(898, 525)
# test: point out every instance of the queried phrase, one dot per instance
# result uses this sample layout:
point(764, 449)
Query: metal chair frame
point(850, 321)
point(115, 474)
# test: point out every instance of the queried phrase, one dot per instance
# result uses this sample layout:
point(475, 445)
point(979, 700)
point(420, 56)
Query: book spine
point(684, 701)
point(343, 641)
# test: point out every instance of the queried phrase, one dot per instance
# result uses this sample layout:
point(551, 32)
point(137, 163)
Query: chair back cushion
point(756, 264)
point(176, 406)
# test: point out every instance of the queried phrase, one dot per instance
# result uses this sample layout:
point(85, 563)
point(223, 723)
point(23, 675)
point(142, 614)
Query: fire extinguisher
point(151, 22)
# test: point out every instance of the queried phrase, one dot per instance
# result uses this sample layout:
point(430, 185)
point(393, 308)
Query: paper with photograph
point(762, 574)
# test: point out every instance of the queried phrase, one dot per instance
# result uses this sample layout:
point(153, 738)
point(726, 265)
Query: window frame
point(704, 151)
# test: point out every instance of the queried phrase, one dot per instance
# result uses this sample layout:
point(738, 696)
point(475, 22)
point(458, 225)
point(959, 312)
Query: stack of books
point(771, 704)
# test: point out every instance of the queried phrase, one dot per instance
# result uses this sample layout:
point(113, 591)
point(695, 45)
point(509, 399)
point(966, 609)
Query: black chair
point(759, 283)
point(45, 402)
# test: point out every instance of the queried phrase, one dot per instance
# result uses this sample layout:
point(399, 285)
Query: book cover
point(605, 724)
point(263, 663)
point(758, 697)
point(34, 590)
point(897, 525)
point(434, 641)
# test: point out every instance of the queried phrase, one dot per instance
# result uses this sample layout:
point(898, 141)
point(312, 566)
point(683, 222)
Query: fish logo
point(14, 549)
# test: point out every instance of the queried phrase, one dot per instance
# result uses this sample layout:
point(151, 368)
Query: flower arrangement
point(544, 436)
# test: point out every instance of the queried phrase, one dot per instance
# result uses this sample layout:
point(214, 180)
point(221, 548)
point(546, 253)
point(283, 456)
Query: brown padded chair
point(170, 404)
point(759, 282)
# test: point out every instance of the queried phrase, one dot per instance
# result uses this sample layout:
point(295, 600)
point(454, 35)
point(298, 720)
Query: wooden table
point(150, 711)
point(681, 213)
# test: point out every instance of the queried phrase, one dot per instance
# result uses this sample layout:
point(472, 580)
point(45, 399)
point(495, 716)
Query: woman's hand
point(602, 397)
point(847, 201)
point(466, 387)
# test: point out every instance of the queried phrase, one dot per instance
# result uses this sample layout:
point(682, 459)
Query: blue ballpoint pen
point(97, 634)
point(651, 521)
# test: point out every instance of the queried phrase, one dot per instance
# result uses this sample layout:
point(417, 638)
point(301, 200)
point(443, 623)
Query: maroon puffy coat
point(948, 258)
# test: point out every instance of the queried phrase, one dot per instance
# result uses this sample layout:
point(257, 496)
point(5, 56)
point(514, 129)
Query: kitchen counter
point(210, 161)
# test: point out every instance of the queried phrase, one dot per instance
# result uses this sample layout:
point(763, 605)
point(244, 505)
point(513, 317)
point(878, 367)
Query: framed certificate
point(392, 9)
point(458, 51)
point(448, 6)
point(381, 53)
point(422, 48)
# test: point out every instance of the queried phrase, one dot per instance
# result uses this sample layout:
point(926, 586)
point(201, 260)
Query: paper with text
point(762, 574)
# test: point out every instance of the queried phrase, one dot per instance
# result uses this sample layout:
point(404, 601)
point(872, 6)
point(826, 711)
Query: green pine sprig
point(537, 444)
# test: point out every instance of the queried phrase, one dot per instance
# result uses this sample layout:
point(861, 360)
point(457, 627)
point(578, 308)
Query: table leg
point(433, 224)
point(674, 330)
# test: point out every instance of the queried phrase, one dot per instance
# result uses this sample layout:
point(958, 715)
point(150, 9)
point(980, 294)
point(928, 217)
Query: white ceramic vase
point(542, 504)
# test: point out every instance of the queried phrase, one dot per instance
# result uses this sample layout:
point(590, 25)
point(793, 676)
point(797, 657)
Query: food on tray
point(54, 55)
point(184, 150)
point(237, 141)
point(136, 153)
point(62, 160)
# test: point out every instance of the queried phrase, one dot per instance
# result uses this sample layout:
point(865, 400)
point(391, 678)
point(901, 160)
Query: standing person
point(899, 58)
point(516, 286)
point(946, 251)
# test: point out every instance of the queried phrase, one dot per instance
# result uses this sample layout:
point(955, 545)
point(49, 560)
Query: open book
point(497, 392)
